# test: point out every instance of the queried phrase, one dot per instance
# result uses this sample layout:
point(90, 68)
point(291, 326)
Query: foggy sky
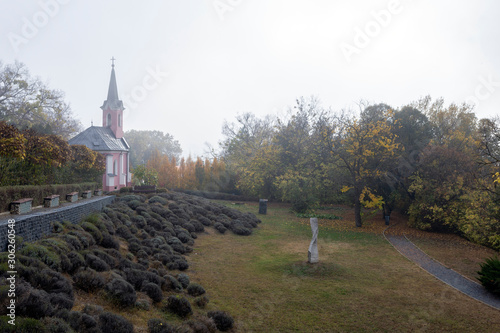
point(183, 67)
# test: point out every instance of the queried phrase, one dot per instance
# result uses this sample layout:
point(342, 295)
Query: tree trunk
point(357, 207)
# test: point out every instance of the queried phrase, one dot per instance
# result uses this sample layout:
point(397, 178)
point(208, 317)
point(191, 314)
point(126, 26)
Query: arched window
point(119, 120)
point(109, 120)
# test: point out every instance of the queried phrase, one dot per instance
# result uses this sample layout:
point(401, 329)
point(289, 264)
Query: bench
point(87, 194)
point(21, 206)
point(144, 189)
point(97, 193)
point(72, 197)
point(51, 201)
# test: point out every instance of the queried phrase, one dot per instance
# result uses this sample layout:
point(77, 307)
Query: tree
point(144, 143)
point(145, 176)
point(364, 147)
point(244, 139)
point(27, 102)
point(248, 154)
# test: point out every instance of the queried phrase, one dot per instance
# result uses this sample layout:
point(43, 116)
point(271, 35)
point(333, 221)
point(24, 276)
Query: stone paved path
point(447, 275)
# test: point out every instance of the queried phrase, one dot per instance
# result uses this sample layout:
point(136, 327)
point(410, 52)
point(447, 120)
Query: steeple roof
point(112, 102)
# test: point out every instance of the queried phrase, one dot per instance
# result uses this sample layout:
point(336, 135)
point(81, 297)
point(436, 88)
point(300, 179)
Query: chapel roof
point(100, 139)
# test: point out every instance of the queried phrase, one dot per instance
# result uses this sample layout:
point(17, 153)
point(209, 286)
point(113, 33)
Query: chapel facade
point(109, 141)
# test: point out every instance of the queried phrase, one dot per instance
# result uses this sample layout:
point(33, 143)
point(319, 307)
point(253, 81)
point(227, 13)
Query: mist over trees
point(28, 103)
point(143, 145)
point(437, 163)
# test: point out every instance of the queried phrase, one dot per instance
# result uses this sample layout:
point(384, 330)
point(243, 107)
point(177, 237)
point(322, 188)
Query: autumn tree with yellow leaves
point(365, 147)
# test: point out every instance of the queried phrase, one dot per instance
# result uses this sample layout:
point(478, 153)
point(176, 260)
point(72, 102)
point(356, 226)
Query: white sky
point(253, 56)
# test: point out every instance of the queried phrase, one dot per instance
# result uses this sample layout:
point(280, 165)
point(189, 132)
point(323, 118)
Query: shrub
point(153, 291)
point(220, 227)
point(134, 204)
point(48, 280)
point(121, 292)
point(25, 325)
point(205, 221)
point(61, 301)
point(194, 289)
point(137, 278)
point(57, 227)
point(184, 237)
point(179, 305)
point(73, 242)
point(200, 324)
point(93, 230)
point(176, 245)
point(139, 221)
point(134, 247)
point(88, 280)
point(84, 237)
point(108, 259)
point(171, 283)
point(159, 326)
point(110, 322)
point(239, 229)
point(35, 303)
point(489, 275)
point(96, 263)
point(40, 252)
point(183, 279)
point(55, 325)
point(201, 301)
point(178, 264)
point(158, 199)
point(124, 232)
point(92, 310)
point(82, 322)
point(109, 242)
point(198, 226)
point(126, 189)
point(223, 321)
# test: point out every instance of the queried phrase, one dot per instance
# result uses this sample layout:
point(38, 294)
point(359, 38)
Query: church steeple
point(112, 102)
point(112, 108)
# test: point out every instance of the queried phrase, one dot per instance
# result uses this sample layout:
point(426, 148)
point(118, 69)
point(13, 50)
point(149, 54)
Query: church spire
point(112, 102)
point(112, 109)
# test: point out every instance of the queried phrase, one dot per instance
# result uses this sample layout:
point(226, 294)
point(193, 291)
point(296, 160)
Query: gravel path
point(447, 275)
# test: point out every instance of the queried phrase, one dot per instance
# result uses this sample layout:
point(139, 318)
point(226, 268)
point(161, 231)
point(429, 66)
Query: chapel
point(109, 141)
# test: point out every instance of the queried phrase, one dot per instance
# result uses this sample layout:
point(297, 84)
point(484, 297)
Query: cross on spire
point(113, 61)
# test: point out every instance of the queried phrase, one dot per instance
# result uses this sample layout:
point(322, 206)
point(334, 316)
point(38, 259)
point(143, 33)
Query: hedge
point(38, 192)
point(217, 195)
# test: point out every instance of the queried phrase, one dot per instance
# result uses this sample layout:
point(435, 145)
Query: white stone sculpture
point(313, 247)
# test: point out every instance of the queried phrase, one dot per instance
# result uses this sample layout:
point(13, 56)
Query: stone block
point(21, 206)
point(72, 197)
point(51, 201)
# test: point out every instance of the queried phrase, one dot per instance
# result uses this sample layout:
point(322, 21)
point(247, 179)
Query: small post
point(312, 255)
point(263, 206)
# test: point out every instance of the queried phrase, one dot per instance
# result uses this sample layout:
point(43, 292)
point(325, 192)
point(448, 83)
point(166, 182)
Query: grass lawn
point(361, 284)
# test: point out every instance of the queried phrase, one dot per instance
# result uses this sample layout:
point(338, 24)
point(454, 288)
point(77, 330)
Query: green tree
point(145, 176)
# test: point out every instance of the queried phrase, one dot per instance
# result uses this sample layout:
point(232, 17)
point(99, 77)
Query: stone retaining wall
point(33, 226)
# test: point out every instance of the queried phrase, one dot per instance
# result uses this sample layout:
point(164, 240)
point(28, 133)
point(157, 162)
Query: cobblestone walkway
point(446, 275)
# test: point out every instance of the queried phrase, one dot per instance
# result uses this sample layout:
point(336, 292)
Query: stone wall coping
point(50, 197)
point(72, 193)
point(21, 201)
